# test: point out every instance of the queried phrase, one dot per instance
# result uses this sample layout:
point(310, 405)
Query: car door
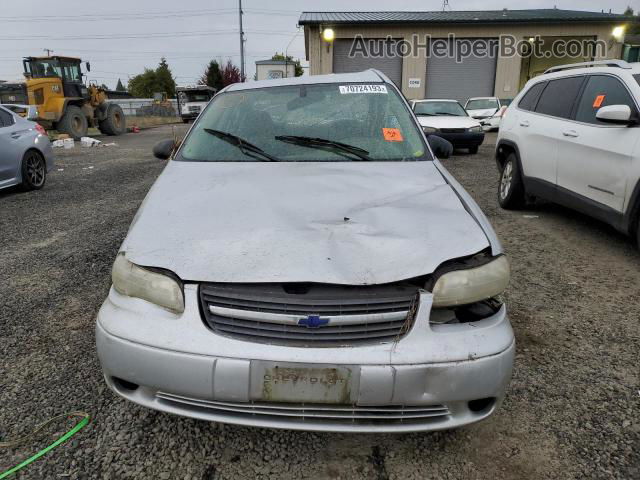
point(593, 156)
point(541, 132)
point(11, 151)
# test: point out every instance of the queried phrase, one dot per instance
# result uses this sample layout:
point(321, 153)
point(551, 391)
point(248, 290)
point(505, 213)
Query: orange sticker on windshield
point(597, 103)
point(392, 135)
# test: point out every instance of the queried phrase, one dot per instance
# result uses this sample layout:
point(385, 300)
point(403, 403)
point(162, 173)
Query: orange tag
point(598, 101)
point(392, 135)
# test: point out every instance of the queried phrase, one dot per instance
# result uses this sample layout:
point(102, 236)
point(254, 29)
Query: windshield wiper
point(249, 149)
point(324, 144)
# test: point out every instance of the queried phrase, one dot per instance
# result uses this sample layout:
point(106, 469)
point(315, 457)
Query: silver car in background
point(304, 262)
point(26, 155)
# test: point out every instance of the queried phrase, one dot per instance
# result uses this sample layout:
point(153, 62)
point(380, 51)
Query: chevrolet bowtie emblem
point(313, 321)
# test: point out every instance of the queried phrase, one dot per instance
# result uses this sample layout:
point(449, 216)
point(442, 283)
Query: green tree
point(212, 75)
point(151, 81)
point(144, 85)
point(164, 77)
point(298, 68)
point(120, 87)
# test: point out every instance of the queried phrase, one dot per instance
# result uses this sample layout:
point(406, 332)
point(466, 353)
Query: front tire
point(115, 122)
point(34, 171)
point(73, 123)
point(511, 194)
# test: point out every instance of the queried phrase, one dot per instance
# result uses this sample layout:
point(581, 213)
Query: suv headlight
point(476, 129)
point(155, 287)
point(462, 287)
point(430, 129)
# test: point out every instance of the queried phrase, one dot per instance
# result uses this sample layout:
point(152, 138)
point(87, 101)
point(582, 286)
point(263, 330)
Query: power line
point(145, 16)
point(146, 35)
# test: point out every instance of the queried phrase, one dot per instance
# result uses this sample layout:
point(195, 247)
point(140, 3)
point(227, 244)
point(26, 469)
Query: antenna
point(445, 5)
point(48, 50)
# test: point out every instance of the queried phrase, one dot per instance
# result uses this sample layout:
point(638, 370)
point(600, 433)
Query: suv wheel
point(511, 190)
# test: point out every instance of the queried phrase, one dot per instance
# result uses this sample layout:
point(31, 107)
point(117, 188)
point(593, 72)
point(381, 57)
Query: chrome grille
point(315, 413)
point(271, 313)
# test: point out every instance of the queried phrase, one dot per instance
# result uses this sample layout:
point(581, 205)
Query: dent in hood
point(332, 222)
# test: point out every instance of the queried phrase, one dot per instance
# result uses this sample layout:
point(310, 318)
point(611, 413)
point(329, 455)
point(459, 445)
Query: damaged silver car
point(305, 262)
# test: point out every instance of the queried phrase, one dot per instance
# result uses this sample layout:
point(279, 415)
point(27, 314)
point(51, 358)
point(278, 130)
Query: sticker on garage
point(344, 89)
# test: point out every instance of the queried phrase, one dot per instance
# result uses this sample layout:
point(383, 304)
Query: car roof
point(437, 100)
point(368, 76)
point(634, 68)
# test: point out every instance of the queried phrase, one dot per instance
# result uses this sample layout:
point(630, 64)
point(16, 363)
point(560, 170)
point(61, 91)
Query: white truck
point(192, 99)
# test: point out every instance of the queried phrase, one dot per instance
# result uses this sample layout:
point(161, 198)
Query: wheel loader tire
point(73, 123)
point(115, 123)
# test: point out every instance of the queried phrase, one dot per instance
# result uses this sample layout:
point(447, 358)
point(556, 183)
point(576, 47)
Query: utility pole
point(445, 5)
point(241, 41)
point(48, 50)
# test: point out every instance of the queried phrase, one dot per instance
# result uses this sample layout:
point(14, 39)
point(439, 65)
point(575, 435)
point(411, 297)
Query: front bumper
point(463, 140)
point(190, 115)
point(424, 381)
point(491, 123)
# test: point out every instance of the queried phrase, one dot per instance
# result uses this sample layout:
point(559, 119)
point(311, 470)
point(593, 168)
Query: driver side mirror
point(164, 148)
point(441, 148)
point(88, 65)
point(616, 114)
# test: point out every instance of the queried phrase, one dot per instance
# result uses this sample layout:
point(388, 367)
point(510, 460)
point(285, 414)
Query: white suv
point(571, 136)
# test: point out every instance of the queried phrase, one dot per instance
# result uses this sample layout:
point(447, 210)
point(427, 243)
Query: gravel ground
point(571, 411)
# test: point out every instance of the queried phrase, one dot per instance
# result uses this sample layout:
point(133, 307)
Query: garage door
point(390, 65)
point(471, 77)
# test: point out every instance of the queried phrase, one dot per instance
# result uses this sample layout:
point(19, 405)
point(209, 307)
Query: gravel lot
point(571, 412)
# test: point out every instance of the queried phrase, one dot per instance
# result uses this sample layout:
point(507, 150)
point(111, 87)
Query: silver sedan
point(25, 151)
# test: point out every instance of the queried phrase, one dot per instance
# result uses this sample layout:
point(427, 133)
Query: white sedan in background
point(488, 110)
point(447, 119)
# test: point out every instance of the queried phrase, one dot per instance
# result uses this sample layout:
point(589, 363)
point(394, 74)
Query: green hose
point(79, 426)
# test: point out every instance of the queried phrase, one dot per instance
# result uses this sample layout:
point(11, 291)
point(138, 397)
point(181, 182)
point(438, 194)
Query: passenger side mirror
point(163, 149)
point(617, 114)
point(441, 148)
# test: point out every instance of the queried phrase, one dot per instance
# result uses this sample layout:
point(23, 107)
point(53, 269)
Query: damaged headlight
point(469, 285)
point(155, 287)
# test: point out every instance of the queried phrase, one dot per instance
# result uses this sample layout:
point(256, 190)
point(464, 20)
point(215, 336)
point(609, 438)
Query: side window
point(528, 101)
point(558, 98)
point(6, 119)
point(602, 90)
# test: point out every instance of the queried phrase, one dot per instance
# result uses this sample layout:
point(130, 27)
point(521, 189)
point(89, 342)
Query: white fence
point(131, 106)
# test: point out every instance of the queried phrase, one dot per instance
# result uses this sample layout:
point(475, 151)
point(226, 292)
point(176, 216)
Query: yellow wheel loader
point(54, 84)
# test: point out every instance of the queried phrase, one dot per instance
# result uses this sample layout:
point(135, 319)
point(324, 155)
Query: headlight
point(158, 288)
point(430, 129)
point(461, 287)
point(475, 129)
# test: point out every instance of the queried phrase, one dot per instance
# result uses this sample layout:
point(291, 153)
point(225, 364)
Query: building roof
point(275, 62)
point(547, 15)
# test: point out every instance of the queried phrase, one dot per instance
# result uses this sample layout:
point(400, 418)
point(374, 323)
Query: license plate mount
point(299, 383)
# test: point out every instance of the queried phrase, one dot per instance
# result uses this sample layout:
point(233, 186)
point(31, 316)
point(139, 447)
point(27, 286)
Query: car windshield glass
point(195, 96)
point(314, 123)
point(483, 104)
point(505, 102)
point(439, 108)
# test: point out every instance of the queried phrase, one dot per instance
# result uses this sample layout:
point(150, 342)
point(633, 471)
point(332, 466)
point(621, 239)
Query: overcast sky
point(120, 37)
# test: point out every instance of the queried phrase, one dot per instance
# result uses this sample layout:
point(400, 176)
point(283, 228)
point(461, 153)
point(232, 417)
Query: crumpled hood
point(486, 112)
point(331, 222)
point(447, 121)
